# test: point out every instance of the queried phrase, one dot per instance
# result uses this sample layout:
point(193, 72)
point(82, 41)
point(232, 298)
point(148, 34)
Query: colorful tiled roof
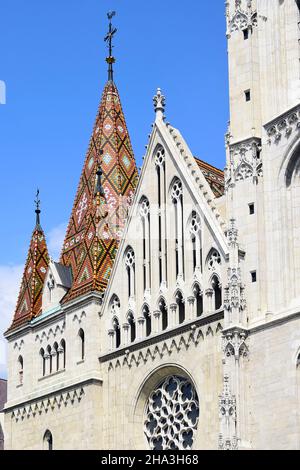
point(214, 177)
point(96, 222)
point(29, 302)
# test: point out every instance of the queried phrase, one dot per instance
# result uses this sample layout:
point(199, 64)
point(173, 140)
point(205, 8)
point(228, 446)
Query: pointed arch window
point(144, 210)
point(177, 199)
point(48, 440)
point(130, 268)
point(56, 356)
point(159, 160)
point(181, 307)
point(81, 337)
point(43, 360)
point(164, 315)
point(20, 369)
point(195, 231)
point(147, 316)
point(117, 331)
point(217, 292)
point(199, 300)
point(63, 352)
point(49, 355)
point(132, 327)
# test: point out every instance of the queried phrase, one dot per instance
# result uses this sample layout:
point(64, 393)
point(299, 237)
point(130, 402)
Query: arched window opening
point(63, 348)
point(217, 292)
point(56, 355)
point(164, 314)
point(20, 369)
point(115, 306)
point(48, 440)
point(130, 268)
point(145, 216)
point(147, 316)
point(116, 327)
point(177, 199)
point(49, 354)
point(214, 260)
point(81, 343)
point(42, 354)
point(199, 300)
point(195, 231)
point(181, 307)
point(132, 327)
point(161, 196)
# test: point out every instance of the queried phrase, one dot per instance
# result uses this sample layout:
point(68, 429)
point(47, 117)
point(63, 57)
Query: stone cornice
point(283, 126)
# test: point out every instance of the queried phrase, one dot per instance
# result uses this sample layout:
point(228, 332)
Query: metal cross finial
point(108, 38)
point(37, 202)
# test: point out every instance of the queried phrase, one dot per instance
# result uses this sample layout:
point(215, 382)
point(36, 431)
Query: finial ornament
point(37, 202)
point(108, 38)
point(159, 102)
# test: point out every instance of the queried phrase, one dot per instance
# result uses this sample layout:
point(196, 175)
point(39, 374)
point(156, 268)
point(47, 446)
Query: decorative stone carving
point(214, 261)
point(159, 101)
point(172, 415)
point(242, 18)
point(284, 126)
point(235, 343)
point(245, 162)
point(228, 418)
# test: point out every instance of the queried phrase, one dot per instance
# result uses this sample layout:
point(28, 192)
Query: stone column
point(140, 328)
point(111, 334)
point(191, 313)
point(174, 321)
point(157, 321)
point(125, 334)
point(209, 298)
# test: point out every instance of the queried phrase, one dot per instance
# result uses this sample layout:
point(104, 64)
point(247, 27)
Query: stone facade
point(203, 301)
point(3, 397)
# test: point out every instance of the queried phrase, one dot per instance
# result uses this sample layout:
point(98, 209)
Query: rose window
point(172, 415)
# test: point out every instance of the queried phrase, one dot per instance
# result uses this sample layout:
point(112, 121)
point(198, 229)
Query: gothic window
point(115, 306)
point(217, 292)
point(177, 199)
point(81, 337)
point(117, 330)
point(172, 415)
point(48, 441)
point(20, 369)
point(132, 327)
point(164, 314)
point(56, 355)
point(161, 185)
point(130, 268)
point(49, 355)
point(145, 216)
point(147, 316)
point(214, 260)
point(181, 307)
point(42, 354)
point(195, 231)
point(199, 300)
point(63, 351)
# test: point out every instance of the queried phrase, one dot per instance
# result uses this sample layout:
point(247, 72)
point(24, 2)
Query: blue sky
point(52, 62)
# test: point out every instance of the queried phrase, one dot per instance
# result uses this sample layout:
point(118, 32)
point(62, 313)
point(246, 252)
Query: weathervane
point(37, 202)
point(108, 38)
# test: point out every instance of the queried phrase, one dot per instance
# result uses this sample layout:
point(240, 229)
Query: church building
point(172, 318)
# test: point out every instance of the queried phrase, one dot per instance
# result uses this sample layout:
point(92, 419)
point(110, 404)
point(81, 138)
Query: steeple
point(106, 188)
point(29, 302)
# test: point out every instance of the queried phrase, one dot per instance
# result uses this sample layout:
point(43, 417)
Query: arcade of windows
point(139, 327)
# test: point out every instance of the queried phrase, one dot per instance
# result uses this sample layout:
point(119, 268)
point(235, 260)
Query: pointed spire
point(29, 302)
point(106, 188)
point(108, 38)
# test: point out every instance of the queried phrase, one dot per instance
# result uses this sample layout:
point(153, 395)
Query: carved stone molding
point(234, 343)
point(243, 17)
point(245, 162)
point(228, 417)
point(284, 126)
point(53, 331)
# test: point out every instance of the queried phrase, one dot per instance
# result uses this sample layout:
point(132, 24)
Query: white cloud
point(55, 239)
point(10, 280)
